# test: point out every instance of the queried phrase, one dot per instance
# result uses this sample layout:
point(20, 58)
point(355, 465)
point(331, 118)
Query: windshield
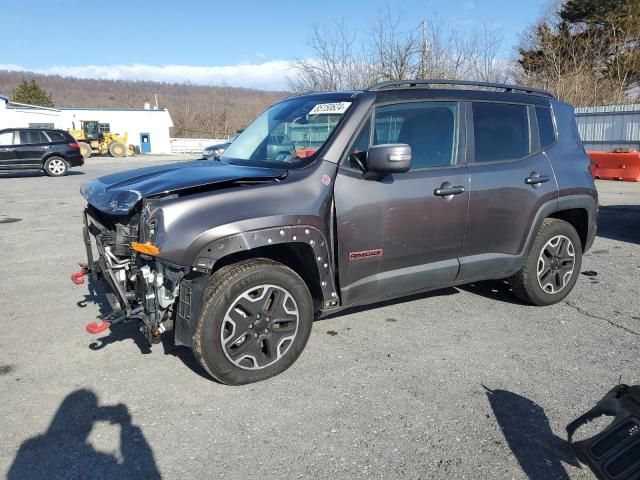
point(288, 132)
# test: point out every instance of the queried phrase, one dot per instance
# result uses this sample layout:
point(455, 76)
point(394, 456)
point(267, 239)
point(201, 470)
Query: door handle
point(447, 190)
point(536, 179)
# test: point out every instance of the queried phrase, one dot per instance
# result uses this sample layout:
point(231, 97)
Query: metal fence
point(192, 145)
point(607, 128)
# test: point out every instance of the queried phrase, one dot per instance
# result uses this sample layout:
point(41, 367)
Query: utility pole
point(424, 60)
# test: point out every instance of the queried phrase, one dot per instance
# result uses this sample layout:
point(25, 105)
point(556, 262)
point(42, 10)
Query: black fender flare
point(291, 234)
point(569, 202)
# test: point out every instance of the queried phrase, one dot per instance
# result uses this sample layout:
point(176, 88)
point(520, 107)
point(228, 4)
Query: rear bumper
point(593, 224)
point(591, 236)
point(75, 160)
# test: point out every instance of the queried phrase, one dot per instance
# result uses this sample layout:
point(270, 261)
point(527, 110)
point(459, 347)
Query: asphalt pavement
point(460, 383)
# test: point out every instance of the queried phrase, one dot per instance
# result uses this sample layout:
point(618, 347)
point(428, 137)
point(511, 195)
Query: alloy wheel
point(555, 264)
point(259, 327)
point(57, 167)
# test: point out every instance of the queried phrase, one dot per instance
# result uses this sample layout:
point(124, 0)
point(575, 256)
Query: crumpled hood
point(118, 193)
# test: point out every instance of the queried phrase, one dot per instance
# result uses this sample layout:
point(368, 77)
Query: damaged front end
point(139, 285)
point(123, 225)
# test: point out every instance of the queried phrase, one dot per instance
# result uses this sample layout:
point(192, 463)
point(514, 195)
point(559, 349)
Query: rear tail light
point(74, 145)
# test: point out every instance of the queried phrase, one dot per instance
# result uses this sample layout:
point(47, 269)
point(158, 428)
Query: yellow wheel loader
point(91, 140)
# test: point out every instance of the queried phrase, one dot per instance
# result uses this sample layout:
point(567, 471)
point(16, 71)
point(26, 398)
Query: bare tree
point(394, 53)
point(391, 50)
point(335, 66)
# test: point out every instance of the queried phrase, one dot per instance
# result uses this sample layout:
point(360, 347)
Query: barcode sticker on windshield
point(330, 108)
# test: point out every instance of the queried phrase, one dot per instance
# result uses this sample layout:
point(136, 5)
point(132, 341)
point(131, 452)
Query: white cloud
point(269, 75)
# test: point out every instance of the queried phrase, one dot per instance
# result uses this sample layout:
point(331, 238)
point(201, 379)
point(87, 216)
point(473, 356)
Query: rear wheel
point(255, 321)
point(117, 149)
point(56, 167)
point(553, 265)
point(85, 149)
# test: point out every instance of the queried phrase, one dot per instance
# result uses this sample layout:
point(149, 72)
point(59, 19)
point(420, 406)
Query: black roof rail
point(468, 83)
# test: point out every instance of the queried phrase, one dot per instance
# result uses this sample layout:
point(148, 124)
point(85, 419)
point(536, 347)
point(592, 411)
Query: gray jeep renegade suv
point(405, 187)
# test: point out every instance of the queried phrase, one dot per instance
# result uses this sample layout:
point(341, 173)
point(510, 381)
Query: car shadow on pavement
point(33, 173)
point(97, 295)
point(619, 222)
point(393, 301)
point(123, 331)
point(65, 450)
point(129, 331)
point(498, 290)
point(528, 433)
point(184, 354)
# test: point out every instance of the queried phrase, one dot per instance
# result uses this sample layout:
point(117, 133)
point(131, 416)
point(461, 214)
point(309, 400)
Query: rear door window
point(501, 131)
point(30, 137)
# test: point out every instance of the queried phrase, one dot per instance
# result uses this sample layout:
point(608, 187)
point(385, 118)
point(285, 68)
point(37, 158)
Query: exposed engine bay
point(141, 286)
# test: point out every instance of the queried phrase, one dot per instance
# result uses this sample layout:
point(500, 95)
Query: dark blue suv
point(54, 151)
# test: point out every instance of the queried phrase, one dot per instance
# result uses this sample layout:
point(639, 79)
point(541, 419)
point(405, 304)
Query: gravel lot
point(460, 383)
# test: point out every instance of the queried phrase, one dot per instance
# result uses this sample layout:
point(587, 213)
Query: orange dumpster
point(305, 152)
point(616, 166)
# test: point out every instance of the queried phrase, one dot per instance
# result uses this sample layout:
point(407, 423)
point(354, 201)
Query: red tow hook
point(77, 277)
point(98, 326)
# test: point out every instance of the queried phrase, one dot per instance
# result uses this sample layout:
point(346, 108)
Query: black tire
point(117, 149)
point(56, 167)
point(228, 288)
point(527, 285)
point(85, 149)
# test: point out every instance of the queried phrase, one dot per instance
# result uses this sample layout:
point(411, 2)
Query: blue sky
point(241, 42)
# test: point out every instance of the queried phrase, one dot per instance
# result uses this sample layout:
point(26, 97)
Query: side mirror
point(389, 158)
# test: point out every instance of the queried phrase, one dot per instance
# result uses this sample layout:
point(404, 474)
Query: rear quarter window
point(56, 136)
point(547, 132)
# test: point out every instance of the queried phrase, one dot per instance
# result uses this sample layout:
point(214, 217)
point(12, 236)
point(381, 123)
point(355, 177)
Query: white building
point(148, 129)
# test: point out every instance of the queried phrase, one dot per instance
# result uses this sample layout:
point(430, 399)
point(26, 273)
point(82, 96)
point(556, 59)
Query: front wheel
point(255, 322)
point(56, 167)
point(117, 149)
point(553, 265)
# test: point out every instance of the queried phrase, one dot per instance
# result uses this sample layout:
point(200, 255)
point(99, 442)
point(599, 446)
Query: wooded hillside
point(197, 111)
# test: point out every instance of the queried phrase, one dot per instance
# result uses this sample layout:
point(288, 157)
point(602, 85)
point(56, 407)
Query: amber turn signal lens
point(146, 248)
